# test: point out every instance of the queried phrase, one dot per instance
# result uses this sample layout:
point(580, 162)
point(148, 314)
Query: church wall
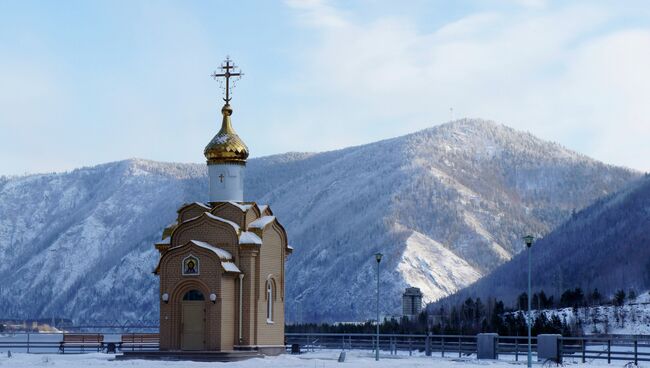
point(191, 211)
point(271, 263)
point(230, 212)
point(228, 304)
point(251, 216)
point(210, 231)
point(176, 285)
point(247, 265)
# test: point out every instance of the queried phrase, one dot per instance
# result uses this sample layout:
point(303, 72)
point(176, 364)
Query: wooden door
point(193, 325)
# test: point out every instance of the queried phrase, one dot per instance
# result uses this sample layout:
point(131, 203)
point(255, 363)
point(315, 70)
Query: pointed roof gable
point(261, 222)
point(213, 217)
point(225, 257)
point(247, 237)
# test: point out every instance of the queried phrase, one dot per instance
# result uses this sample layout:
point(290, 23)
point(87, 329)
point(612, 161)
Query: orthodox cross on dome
point(228, 71)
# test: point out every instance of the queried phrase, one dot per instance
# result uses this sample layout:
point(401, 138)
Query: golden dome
point(226, 146)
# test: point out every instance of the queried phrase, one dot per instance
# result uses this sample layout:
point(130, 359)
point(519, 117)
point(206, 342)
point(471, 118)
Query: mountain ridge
point(602, 247)
point(469, 188)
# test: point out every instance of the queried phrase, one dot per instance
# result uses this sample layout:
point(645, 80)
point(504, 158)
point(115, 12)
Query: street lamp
point(378, 258)
point(529, 242)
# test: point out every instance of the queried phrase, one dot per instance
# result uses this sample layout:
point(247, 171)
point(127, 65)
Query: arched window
point(269, 301)
point(193, 295)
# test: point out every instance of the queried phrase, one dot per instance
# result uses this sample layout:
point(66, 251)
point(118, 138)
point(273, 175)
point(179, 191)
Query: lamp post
point(378, 258)
point(529, 242)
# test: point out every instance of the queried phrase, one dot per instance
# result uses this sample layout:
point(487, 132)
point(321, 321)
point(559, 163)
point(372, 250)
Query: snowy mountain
point(604, 246)
point(445, 205)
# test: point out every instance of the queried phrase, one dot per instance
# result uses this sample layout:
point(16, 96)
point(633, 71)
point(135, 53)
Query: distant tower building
point(412, 302)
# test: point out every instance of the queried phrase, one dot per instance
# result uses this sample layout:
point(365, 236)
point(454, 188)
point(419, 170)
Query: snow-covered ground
point(309, 360)
point(633, 318)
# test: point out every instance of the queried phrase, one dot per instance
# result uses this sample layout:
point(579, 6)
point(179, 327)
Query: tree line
point(475, 316)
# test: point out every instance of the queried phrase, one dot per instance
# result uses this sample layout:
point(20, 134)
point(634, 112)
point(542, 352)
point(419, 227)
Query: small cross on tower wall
point(229, 71)
point(221, 178)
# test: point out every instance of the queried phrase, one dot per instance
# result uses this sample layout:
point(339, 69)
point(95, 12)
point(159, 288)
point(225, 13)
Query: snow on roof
point(234, 225)
point(190, 219)
point(203, 205)
point(224, 255)
point(243, 207)
point(230, 267)
point(290, 247)
point(167, 240)
point(248, 237)
point(263, 207)
point(261, 222)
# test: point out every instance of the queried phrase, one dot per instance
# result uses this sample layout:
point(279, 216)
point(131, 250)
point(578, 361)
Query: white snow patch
point(261, 222)
point(248, 237)
point(434, 269)
point(234, 225)
point(230, 267)
point(323, 358)
point(222, 254)
point(242, 207)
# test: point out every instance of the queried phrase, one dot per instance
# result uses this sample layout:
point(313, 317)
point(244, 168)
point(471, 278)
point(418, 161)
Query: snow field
point(321, 359)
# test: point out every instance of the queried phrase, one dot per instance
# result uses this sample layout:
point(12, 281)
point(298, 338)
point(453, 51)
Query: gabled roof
point(200, 204)
point(221, 219)
point(224, 256)
point(242, 206)
point(247, 237)
point(230, 267)
point(261, 222)
point(234, 225)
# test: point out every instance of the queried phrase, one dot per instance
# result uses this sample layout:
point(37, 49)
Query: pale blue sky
point(87, 82)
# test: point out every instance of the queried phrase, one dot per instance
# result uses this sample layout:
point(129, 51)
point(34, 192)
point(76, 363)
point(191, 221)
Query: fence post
point(28, 342)
point(443, 345)
point(410, 347)
point(517, 349)
point(584, 350)
point(427, 344)
point(459, 347)
point(609, 351)
point(636, 357)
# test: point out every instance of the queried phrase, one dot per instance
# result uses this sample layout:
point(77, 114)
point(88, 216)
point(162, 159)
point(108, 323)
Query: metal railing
point(585, 349)
point(633, 349)
point(447, 345)
point(579, 349)
point(55, 342)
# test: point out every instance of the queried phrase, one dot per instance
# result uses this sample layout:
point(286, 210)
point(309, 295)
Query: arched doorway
point(193, 321)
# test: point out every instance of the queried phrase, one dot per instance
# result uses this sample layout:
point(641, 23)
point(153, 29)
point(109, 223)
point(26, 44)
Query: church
point(222, 263)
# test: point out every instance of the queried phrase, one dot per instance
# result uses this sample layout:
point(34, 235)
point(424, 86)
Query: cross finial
point(228, 71)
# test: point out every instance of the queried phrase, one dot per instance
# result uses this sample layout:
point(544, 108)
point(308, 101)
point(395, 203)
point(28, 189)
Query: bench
point(142, 341)
point(81, 342)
